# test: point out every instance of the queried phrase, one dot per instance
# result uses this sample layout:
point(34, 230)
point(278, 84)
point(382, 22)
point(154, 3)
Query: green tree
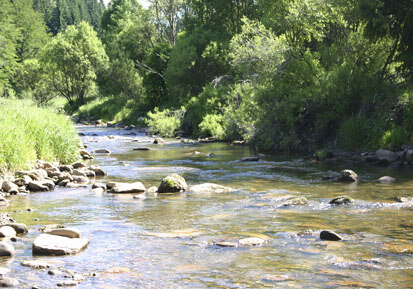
point(73, 59)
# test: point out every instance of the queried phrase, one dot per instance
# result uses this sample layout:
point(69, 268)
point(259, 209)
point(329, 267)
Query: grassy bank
point(28, 133)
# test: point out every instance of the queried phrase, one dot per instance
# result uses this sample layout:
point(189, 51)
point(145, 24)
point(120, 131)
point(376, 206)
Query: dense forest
point(291, 75)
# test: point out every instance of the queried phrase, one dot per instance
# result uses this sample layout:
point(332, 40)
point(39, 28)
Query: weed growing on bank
point(28, 133)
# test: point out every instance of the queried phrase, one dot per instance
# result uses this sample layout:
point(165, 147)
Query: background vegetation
point(291, 75)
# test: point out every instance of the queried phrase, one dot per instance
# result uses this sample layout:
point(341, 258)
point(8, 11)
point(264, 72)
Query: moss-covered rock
point(172, 184)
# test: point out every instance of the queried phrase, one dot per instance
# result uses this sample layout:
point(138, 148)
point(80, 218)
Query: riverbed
point(166, 241)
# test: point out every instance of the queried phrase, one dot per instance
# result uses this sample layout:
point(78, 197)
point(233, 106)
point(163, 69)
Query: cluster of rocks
point(46, 176)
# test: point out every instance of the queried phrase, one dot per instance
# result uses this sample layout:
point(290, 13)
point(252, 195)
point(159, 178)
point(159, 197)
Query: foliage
point(211, 125)
point(29, 133)
point(73, 59)
point(165, 122)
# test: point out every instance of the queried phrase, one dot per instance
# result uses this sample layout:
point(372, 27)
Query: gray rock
point(226, 243)
point(36, 264)
point(330, 236)
point(386, 155)
point(65, 232)
point(67, 284)
point(386, 179)
point(64, 183)
point(47, 244)
point(52, 172)
point(209, 188)
point(7, 282)
point(23, 181)
point(101, 151)
point(299, 201)
point(10, 187)
point(98, 171)
point(66, 168)
point(80, 179)
point(78, 165)
point(341, 200)
point(348, 176)
point(78, 172)
point(110, 185)
point(404, 199)
point(65, 176)
point(38, 186)
point(7, 231)
point(20, 228)
point(85, 154)
point(141, 149)
point(122, 188)
point(6, 249)
point(152, 190)
point(250, 159)
point(172, 184)
point(251, 242)
point(3, 202)
point(48, 228)
point(99, 186)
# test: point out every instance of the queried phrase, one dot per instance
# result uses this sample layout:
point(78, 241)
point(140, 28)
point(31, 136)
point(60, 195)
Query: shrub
point(396, 137)
point(357, 133)
point(29, 133)
point(165, 122)
point(211, 125)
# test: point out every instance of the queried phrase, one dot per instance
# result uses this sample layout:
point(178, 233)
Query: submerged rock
point(386, 180)
point(121, 188)
point(299, 201)
point(348, 176)
point(404, 199)
point(67, 284)
point(47, 244)
point(172, 184)
point(341, 200)
point(209, 188)
point(251, 242)
point(6, 249)
point(36, 264)
point(330, 236)
point(226, 243)
point(250, 159)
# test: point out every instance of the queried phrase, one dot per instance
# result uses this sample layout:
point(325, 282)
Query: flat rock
point(330, 236)
point(209, 188)
point(141, 149)
point(6, 249)
point(36, 264)
point(341, 200)
point(7, 231)
point(123, 188)
point(251, 242)
point(226, 243)
point(47, 244)
point(386, 180)
point(65, 232)
point(67, 284)
point(348, 176)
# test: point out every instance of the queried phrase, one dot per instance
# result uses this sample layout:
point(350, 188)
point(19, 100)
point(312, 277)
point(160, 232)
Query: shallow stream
point(165, 241)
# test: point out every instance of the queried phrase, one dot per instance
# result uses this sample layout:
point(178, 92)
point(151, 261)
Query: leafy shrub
point(211, 125)
point(165, 122)
point(396, 137)
point(354, 133)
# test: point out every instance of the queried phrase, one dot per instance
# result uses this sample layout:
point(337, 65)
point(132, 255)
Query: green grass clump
point(29, 133)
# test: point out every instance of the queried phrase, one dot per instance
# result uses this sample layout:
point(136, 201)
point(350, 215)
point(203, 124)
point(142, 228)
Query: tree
point(73, 60)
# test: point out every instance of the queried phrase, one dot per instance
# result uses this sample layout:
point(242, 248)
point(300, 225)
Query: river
point(166, 241)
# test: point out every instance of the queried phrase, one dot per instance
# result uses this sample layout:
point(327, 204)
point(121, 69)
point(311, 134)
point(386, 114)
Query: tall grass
point(28, 133)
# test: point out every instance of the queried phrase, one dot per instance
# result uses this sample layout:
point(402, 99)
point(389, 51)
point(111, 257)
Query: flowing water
point(166, 241)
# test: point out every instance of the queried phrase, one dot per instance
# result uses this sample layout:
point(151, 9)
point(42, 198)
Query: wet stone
point(6, 249)
point(6, 282)
point(67, 284)
point(341, 200)
point(133, 188)
point(48, 228)
point(102, 151)
point(36, 264)
point(7, 231)
point(386, 180)
point(300, 201)
point(47, 244)
point(225, 243)
point(348, 176)
point(172, 184)
point(18, 227)
point(404, 199)
point(330, 236)
point(251, 242)
point(250, 159)
point(65, 232)
point(209, 188)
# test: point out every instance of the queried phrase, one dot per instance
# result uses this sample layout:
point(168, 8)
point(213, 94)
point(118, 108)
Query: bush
point(396, 137)
point(211, 125)
point(357, 133)
point(29, 133)
point(165, 122)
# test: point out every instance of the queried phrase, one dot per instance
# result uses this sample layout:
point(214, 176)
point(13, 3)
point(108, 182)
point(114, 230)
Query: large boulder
point(47, 244)
point(386, 155)
point(122, 188)
point(209, 188)
point(172, 184)
point(348, 176)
